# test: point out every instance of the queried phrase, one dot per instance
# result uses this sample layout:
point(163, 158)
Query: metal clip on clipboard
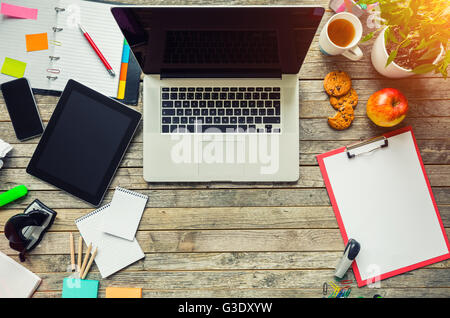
point(366, 146)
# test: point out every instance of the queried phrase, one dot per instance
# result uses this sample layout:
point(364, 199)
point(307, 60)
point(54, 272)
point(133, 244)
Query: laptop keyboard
point(221, 109)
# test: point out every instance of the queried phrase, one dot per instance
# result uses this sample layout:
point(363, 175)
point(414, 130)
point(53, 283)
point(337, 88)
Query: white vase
point(380, 56)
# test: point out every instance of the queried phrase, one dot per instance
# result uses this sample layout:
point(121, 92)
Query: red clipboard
point(356, 271)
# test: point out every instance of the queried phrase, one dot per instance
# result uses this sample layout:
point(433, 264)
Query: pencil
point(80, 252)
point(72, 252)
point(88, 267)
point(86, 257)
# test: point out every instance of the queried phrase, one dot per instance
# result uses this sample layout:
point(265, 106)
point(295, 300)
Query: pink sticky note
point(18, 12)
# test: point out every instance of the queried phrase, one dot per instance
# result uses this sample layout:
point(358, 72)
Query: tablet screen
point(84, 142)
point(79, 149)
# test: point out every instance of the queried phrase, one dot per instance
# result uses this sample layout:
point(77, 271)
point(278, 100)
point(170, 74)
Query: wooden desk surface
point(246, 240)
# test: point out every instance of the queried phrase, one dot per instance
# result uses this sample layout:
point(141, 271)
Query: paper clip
point(58, 10)
point(54, 58)
point(52, 78)
point(325, 288)
point(56, 29)
point(53, 70)
point(57, 43)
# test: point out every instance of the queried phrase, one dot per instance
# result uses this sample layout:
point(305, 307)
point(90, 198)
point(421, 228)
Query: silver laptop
point(221, 89)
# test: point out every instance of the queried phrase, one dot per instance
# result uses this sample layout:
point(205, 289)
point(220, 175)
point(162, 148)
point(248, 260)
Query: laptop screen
point(222, 41)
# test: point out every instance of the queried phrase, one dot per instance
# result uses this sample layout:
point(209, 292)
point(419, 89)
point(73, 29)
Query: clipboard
point(381, 196)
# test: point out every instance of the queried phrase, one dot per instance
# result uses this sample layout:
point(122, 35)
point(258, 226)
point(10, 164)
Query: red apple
point(387, 108)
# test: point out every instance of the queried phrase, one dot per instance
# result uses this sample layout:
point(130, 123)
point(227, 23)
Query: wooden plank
point(423, 128)
point(268, 279)
point(413, 89)
point(208, 261)
point(131, 178)
point(308, 109)
point(213, 218)
point(432, 152)
point(284, 240)
point(212, 198)
point(318, 129)
point(417, 108)
point(185, 198)
point(276, 293)
point(427, 97)
point(268, 240)
point(224, 218)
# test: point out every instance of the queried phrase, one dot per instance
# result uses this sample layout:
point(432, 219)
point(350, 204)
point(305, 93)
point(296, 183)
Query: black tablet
point(84, 142)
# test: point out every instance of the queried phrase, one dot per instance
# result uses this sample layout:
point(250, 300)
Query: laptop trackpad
point(222, 161)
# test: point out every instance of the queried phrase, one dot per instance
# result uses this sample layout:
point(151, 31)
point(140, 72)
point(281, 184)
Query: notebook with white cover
point(15, 280)
point(124, 214)
point(73, 58)
point(113, 252)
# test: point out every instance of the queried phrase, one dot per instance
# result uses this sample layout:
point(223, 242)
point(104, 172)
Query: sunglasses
point(26, 230)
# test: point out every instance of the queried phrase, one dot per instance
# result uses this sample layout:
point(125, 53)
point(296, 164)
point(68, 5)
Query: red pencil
point(97, 50)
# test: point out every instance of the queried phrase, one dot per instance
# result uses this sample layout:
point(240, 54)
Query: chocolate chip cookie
point(337, 83)
point(343, 118)
point(351, 98)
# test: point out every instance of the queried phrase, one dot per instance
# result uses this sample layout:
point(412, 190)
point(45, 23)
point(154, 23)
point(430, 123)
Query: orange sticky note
point(120, 292)
point(36, 42)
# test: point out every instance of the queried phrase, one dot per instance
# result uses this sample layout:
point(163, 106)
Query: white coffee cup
point(351, 51)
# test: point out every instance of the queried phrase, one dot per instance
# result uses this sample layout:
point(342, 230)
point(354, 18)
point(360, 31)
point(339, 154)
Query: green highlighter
point(12, 195)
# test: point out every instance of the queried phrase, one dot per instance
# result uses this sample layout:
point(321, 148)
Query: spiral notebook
point(69, 55)
point(123, 216)
point(113, 253)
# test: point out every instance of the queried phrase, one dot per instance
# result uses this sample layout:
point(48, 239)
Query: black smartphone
point(22, 109)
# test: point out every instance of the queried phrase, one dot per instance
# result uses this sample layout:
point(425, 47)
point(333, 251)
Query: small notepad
point(123, 216)
point(123, 292)
point(79, 288)
point(114, 253)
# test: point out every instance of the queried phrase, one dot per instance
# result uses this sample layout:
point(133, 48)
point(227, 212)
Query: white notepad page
point(124, 214)
point(386, 206)
point(113, 253)
point(78, 61)
point(15, 280)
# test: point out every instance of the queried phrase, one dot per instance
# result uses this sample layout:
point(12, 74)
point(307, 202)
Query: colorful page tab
point(36, 42)
point(18, 11)
point(79, 288)
point(13, 68)
point(121, 292)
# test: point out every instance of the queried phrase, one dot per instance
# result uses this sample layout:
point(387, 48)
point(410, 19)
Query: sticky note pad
point(121, 292)
point(121, 92)
point(13, 67)
point(79, 288)
point(18, 11)
point(36, 42)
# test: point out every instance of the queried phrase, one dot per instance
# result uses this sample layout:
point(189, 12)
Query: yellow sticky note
point(120, 292)
point(121, 91)
point(13, 67)
point(36, 42)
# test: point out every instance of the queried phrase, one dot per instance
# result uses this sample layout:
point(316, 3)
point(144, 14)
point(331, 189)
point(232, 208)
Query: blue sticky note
point(79, 288)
